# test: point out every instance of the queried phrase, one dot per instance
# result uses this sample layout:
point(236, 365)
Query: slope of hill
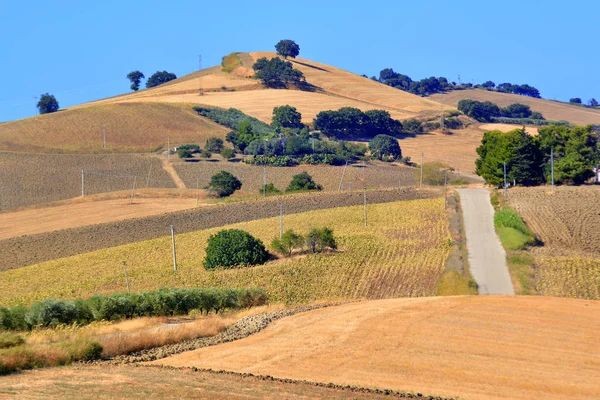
point(130, 127)
point(551, 110)
point(479, 347)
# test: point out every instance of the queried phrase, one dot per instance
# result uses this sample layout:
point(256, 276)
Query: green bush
point(227, 153)
point(507, 217)
point(385, 146)
point(234, 247)
point(224, 183)
point(51, 313)
point(183, 153)
point(233, 118)
point(269, 189)
point(289, 242)
point(214, 145)
point(412, 125)
point(318, 240)
point(303, 182)
point(8, 339)
point(206, 154)
point(194, 148)
point(529, 121)
point(511, 229)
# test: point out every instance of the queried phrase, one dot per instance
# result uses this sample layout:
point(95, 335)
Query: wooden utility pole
point(174, 249)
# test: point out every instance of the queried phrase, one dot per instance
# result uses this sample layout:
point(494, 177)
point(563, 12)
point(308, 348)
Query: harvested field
point(374, 175)
point(567, 222)
point(478, 347)
point(78, 214)
point(68, 242)
point(551, 110)
point(130, 127)
point(531, 130)
point(401, 253)
point(129, 382)
point(29, 179)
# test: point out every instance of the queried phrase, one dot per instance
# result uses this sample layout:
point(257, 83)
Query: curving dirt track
point(33, 249)
point(488, 347)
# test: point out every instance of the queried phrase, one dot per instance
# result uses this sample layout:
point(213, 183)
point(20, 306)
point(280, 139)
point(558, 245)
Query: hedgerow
point(233, 118)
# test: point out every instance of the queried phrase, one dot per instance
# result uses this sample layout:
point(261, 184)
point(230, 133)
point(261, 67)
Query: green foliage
point(434, 173)
point(230, 62)
point(8, 339)
point(538, 120)
point(516, 111)
point(412, 125)
point(575, 100)
point(287, 117)
point(481, 111)
point(318, 240)
point(194, 148)
point(287, 48)
point(302, 182)
point(185, 153)
point(348, 122)
point(205, 154)
point(424, 87)
point(385, 146)
point(509, 218)
point(593, 103)
point(233, 119)
point(227, 153)
point(276, 73)
point(47, 104)
point(214, 145)
point(289, 242)
point(269, 189)
point(234, 247)
point(274, 161)
point(51, 313)
point(160, 77)
point(224, 183)
point(511, 229)
point(135, 77)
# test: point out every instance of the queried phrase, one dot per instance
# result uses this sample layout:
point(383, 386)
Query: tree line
point(529, 159)
point(486, 111)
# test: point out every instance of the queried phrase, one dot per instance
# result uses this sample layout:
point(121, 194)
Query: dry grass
point(476, 347)
point(531, 130)
point(551, 110)
point(401, 253)
point(130, 127)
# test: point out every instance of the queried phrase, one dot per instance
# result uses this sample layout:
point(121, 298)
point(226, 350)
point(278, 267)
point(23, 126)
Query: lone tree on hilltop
point(47, 104)
point(135, 77)
point(287, 48)
point(224, 183)
point(160, 77)
point(287, 117)
point(576, 100)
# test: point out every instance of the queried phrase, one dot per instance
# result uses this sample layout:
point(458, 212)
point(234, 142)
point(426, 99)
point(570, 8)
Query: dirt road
point(487, 258)
point(473, 347)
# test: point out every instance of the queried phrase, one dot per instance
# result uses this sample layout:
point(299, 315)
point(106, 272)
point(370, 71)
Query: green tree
point(233, 247)
point(276, 73)
point(385, 146)
point(287, 48)
point(303, 182)
point(47, 104)
point(224, 183)
point(289, 242)
point(287, 117)
point(214, 145)
point(227, 153)
point(481, 111)
point(575, 100)
point(593, 102)
point(135, 77)
point(160, 77)
point(185, 153)
point(516, 111)
point(318, 240)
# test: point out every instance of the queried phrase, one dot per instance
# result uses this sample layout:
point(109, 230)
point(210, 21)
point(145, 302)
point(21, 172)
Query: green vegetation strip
point(511, 229)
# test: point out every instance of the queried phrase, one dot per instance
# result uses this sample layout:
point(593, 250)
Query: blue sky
point(81, 51)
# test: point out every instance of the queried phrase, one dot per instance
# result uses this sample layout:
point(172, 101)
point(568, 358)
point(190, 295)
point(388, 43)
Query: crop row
point(576, 277)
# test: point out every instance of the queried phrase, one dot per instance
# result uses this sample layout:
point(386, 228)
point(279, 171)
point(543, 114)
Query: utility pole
point(552, 163)
point(280, 220)
point(104, 131)
point(365, 203)
point(174, 250)
point(148, 179)
point(126, 277)
point(421, 182)
point(504, 181)
point(168, 149)
point(342, 179)
point(133, 190)
point(82, 183)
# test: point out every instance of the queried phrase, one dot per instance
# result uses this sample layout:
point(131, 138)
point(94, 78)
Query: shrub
point(214, 145)
point(206, 154)
point(289, 241)
point(234, 247)
point(508, 218)
point(51, 313)
point(303, 182)
point(224, 183)
point(227, 153)
point(8, 339)
point(233, 118)
point(194, 148)
point(184, 153)
point(412, 125)
point(318, 240)
point(385, 146)
point(269, 189)
point(434, 173)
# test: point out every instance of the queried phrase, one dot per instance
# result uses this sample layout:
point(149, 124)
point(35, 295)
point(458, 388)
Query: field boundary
point(32, 249)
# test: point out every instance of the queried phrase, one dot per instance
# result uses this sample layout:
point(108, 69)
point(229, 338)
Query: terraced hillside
point(551, 110)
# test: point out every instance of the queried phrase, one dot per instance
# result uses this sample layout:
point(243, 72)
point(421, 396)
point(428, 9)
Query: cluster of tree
point(233, 119)
point(591, 103)
point(523, 90)
point(158, 78)
point(47, 104)
point(486, 111)
point(351, 123)
point(528, 159)
point(213, 145)
point(316, 241)
point(277, 73)
point(423, 87)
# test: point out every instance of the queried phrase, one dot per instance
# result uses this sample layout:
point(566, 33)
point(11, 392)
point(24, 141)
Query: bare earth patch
point(472, 347)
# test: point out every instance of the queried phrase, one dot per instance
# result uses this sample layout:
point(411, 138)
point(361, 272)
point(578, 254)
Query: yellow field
point(130, 127)
point(551, 110)
point(401, 253)
point(532, 130)
point(577, 277)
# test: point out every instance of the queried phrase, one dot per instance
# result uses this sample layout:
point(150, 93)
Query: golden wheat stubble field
point(551, 110)
point(477, 347)
point(130, 127)
point(402, 252)
point(568, 223)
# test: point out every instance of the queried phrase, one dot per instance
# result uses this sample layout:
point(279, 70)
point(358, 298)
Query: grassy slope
point(551, 110)
point(401, 253)
point(130, 127)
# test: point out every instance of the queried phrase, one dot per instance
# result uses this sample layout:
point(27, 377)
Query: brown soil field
point(130, 382)
point(373, 175)
point(551, 110)
point(479, 347)
point(130, 127)
point(532, 130)
point(30, 179)
point(66, 216)
point(33, 249)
